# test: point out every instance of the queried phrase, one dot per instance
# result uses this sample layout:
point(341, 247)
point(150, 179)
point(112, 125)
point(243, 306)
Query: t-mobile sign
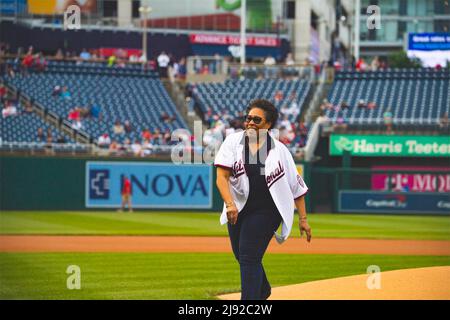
point(412, 182)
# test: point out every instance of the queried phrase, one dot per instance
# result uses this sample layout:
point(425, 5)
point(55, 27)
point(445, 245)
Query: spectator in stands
point(198, 64)
point(10, 71)
point(289, 61)
point(444, 124)
point(143, 58)
point(286, 134)
point(208, 137)
point(147, 148)
point(133, 58)
point(146, 134)
point(127, 126)
point(65, 93)
point(9, 109)
point(205, 70)
point(375, 64)
point(85, 55)
point(75, 117)
point(361, 104)
point(84, 113)
point(340, 123)
point(285, 122)
point(278, 96)
point(104, 141)
point(344, 105)
point(59, 55)
point(113, 147)
point(182, 71)
point(361, 65)
point(269, 70)
point(27, 108)
point(136, 148)
point(40, 137)
point(2, 92)
point(301, 133)
point(118, 128)
point(322, 118)
point(95, 112)
point(111, 60)
point(387, 116)
point(326, 105)
point(269, 61)
point(293, 109)
point(157, 137)
point(27, 63)
point(40, 62)
point(371, 105)
point(126, 146)
point(163, 63)
point(167, 137)
point(226, 116)
point(166, 118)
point(56, 91)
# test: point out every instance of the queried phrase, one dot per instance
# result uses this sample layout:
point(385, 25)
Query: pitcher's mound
point(409, 284)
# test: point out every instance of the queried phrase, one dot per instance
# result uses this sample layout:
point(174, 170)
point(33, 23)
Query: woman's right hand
point(232, 213)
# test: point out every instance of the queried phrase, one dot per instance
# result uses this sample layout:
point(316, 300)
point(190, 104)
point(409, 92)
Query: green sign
point(390, 146)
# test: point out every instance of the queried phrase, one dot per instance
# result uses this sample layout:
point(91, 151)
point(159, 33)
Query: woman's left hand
point(305, 228)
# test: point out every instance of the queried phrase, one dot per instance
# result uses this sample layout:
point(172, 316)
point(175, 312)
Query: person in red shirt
point(126, 194)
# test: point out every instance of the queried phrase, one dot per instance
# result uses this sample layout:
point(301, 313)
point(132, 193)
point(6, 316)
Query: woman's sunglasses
point(255, 119)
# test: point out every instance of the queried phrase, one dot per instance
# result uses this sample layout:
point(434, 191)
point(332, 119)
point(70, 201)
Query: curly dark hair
point(270, 111)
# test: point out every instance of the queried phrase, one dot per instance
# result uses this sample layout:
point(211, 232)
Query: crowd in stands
point(165, 63)
point(293, 134)
point(146, 144)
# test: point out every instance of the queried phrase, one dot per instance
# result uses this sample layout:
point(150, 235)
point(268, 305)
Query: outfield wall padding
point(48, 183)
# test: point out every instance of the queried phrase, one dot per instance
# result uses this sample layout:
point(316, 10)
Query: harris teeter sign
point(390, 146)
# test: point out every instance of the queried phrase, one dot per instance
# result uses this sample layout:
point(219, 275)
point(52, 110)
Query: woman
point(258, 181)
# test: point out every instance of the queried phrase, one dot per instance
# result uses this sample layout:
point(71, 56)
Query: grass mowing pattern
point(173, 276)
point(207, 224)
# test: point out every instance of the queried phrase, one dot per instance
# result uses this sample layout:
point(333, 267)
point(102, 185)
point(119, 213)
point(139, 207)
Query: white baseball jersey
point(282, 178)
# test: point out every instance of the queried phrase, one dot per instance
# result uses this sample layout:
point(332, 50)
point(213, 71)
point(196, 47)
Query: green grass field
point(172, 276)
point(186, 275)
point(207, 224)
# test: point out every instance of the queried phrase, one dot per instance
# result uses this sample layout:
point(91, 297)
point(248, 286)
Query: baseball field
point(186, 255)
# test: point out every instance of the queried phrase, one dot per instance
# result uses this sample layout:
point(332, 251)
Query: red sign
point(233, 40)
point(119, 52)
point(412, 182)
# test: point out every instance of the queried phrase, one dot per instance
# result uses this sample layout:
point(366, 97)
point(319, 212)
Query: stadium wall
point(49, 40)
point(49, 183)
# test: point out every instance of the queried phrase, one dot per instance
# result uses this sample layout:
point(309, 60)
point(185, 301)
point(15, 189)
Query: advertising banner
point(431, 48)
point(393, 202)
point(153, 185)
point(215, 39)
point(412, 182)
point(390, 146)
point(50, 7)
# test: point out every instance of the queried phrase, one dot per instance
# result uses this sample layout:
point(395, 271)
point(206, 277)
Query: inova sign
point(385, 146)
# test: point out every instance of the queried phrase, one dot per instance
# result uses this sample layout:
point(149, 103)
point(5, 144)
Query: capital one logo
point(72, 18)
point(374, 20)
point(99, 184)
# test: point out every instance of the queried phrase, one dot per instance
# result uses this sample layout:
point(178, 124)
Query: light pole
point(145, 11)
point(243, 26)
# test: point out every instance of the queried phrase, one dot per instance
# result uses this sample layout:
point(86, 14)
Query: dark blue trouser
point(250, 237)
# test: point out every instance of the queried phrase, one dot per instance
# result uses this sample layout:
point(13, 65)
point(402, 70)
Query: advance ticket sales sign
point(388, 145)
point(153, 185)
